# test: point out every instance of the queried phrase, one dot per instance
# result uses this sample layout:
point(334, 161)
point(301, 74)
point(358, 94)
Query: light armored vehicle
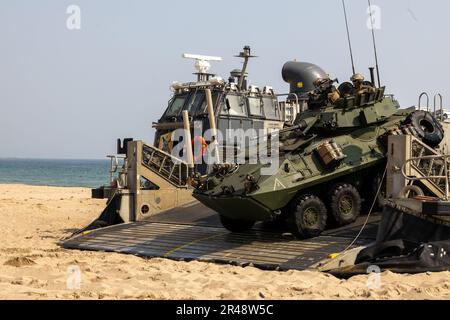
point(331, 159)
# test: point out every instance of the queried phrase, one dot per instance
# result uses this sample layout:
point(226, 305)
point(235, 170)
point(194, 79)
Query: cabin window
point(271, 109)
point(202, 109)
point(176, 106)
point(234, 106)
point(196, 104)
point(255, 107)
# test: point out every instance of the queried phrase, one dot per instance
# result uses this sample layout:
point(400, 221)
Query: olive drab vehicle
point(331, 159)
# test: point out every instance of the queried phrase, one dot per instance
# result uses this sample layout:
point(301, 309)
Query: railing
point(424, 94)
point(294, 110)
point(114, 165)
point(429, 176)
point(441, 107)
point(438, 108)
point(165, 165)
point(297, 100)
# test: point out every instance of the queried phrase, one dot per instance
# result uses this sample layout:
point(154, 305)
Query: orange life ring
point(202, 141)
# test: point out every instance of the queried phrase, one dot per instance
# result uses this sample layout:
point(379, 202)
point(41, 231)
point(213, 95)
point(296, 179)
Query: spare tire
point(428, 128)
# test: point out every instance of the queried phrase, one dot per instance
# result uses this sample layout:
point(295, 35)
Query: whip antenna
point(348, 37)
point(374, 44)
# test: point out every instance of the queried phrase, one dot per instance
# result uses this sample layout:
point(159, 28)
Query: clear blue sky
point(70, 94)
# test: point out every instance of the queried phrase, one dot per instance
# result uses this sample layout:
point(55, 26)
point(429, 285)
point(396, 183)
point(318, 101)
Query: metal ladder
point(438, 108)
point(165, 165)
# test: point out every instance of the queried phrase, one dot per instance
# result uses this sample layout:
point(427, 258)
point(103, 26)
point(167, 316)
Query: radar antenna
point(246, 55)
point(374, 44)
point(202, 65)
point(348, 37)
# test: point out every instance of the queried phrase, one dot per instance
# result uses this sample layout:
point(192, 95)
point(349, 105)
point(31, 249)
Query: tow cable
point(336, 255)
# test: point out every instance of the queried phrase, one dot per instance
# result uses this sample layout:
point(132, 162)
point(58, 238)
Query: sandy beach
point(33, 266)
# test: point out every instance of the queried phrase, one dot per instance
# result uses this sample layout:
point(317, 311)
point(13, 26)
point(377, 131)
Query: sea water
point(64, 173)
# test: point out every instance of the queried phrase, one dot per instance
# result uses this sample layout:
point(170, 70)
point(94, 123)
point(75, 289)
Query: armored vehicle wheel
point(427, 126)
point(236, 225)
point(345, 204)
point(308, 217)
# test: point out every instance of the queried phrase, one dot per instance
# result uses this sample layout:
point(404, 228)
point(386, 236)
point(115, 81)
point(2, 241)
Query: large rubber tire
point(345, 204)
point(236, 225)
point(308, 217)
point(405, 193)
point(429, 129)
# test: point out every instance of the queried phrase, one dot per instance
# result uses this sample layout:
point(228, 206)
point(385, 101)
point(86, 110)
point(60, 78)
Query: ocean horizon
point(87, 173)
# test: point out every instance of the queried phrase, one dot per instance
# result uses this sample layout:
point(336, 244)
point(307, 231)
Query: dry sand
point(33, 266)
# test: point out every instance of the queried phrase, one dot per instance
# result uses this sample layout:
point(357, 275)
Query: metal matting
point(198, 240)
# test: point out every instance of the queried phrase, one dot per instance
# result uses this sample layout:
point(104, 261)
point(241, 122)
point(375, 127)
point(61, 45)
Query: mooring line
point(367, 219)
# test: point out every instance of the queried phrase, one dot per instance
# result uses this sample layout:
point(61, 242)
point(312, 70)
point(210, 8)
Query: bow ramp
point(193, 232)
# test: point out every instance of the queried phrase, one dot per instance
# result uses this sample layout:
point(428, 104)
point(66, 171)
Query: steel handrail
point(174, 161)
point(297, 101)
point(432, 157)
point(441, 115)
point(428, 101)
point(114, 165)
point(288, 95)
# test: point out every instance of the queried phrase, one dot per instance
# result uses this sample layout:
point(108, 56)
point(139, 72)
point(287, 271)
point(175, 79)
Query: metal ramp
point(182, 236)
